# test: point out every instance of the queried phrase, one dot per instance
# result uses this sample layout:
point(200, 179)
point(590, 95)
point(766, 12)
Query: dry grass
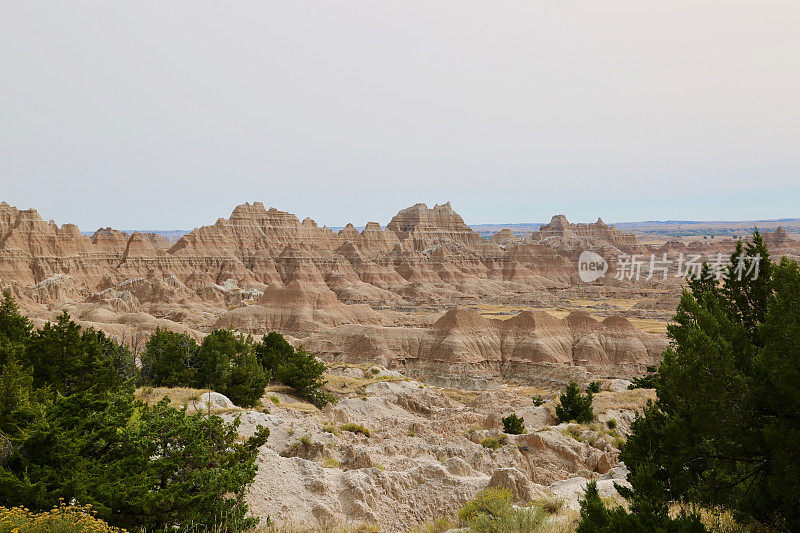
point(629, 399)
point(280, 388)
point(178, 396)
point(650, 326)
point(716, 520)
point(459, 395)
point(352, 387)
point(344, 527)
point(437, 525)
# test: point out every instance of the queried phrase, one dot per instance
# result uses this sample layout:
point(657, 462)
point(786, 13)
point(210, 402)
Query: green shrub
point(493, 501)
point(513, 425)
point(574, 432)
point(492, 511)
point(227, 363)
point(491, 442)
point(70, 359)
point(330, 462)
point(355, 428)
point(611, 423)
point(538, 400)
point(575, 406)
point(273, 350)
point(593, 388)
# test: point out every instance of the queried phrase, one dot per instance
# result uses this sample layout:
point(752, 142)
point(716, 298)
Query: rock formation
point(377, 293)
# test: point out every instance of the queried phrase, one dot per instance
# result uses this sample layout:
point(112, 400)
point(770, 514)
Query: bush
point(611, 423)
point(224, 362)
point(575, 406)
point(493, 511)
point(491, 442)
point(355, 428)
point(593, 388)
point(574, 432)
point(227, 363)
point(513, 425)
point(538, 400)
point(61, 519)
point(550, 505)
point(492, 502)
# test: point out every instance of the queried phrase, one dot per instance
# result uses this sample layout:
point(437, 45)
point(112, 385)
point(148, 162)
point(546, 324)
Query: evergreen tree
point(273, 350)
point(303, 372)
point(595, 517)
point(575, 406)
point(138, 466)
point(70, 429)
point(167, 359)
point(513, 425)
point(247, 380)
point(15, 329)
point(69, 359)
point(19, 402)
point(212, 361)
point(725, 430)
point(296, 368)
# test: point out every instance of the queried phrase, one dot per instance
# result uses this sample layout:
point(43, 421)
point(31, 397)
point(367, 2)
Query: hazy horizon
point(167, 115)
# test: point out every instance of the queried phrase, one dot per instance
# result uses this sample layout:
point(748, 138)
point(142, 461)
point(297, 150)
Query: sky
point(165, 115)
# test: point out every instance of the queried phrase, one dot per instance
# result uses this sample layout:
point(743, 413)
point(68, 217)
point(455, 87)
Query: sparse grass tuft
point(551, 505)
point(574, 432)
point(437, 525)
point(330, 428)
point(355, 428)
point(330, 462)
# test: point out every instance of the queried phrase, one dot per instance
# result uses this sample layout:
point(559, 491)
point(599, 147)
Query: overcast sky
point(154, 114)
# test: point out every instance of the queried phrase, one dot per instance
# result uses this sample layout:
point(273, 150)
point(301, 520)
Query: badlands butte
point(426, 294)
